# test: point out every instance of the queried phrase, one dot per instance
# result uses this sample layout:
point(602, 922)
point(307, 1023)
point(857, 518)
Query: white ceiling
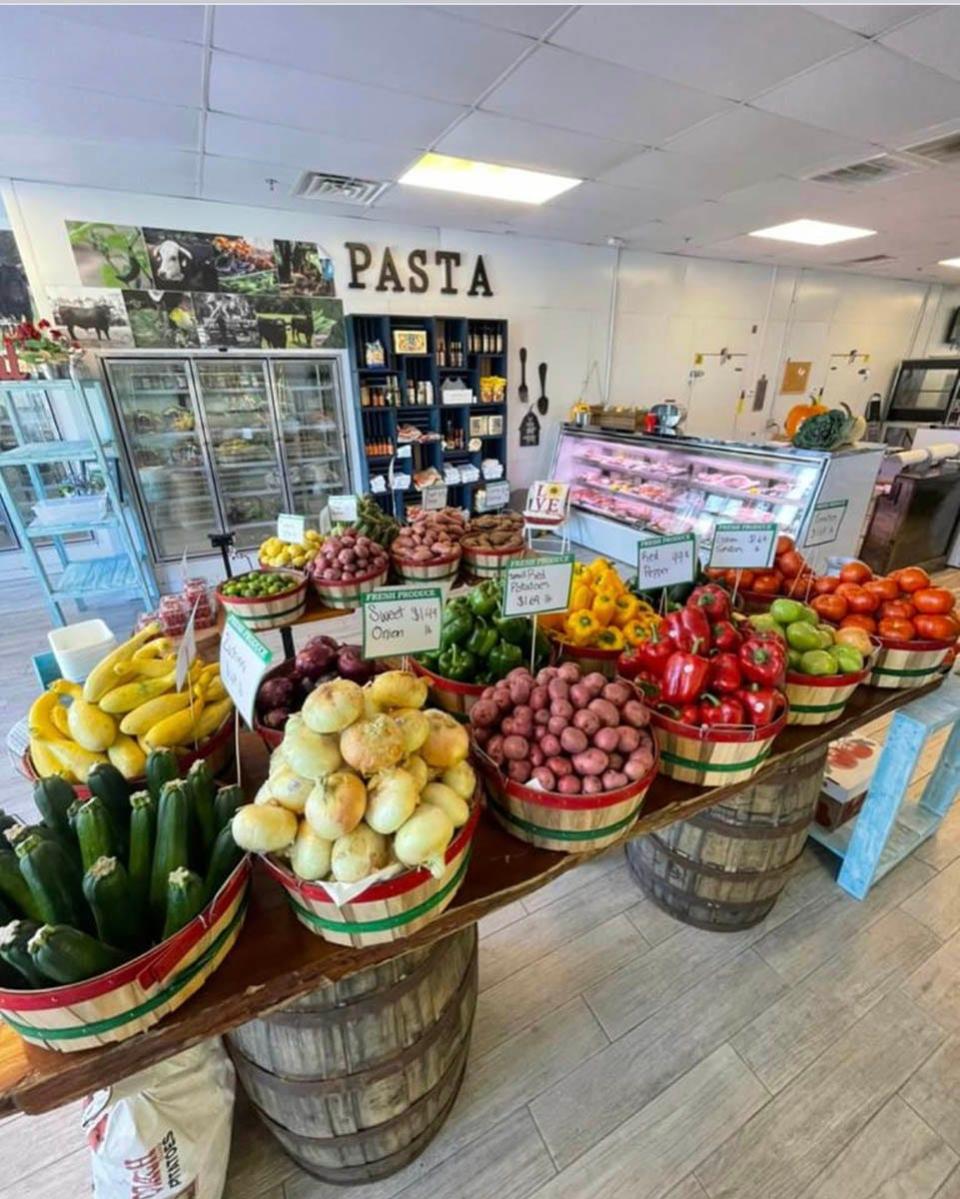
point(691, 124)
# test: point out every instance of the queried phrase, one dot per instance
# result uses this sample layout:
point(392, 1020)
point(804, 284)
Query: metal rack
point(118, 575)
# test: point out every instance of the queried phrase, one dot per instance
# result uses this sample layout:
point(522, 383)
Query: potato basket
point(269, 611)
point(488, 564)
point(902, 664)
point(132, 998)
point(713, 757)
point(435, 571)
point(453, 697)
point(347, 594)
point(589, 658)
point(389, 909)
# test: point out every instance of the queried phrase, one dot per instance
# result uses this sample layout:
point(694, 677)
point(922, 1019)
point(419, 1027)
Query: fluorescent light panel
point(813, 233)
point(955, 262)
point(445, 173)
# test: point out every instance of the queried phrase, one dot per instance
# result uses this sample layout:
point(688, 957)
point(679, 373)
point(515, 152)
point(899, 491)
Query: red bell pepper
point(763, 661)
point(725, 710)
point(712, 599)
point(725, 636)
point(688, 629)
point(726, 674)
point(649, 686)
point(689, 714)
point(684, 678)
point(648, 655)
point(763, 705)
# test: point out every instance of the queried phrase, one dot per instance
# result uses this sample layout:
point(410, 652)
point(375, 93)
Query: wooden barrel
point(724, 869)
point(355, 1079)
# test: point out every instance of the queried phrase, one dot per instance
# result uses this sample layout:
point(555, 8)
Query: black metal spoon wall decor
point(524, 390)
point(543, 403)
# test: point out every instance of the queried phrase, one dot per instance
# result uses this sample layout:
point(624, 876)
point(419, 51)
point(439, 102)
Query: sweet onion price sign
point(244, 660)
point(535, 585)
point(743, 546)
point(401, 620)
point(665, 561)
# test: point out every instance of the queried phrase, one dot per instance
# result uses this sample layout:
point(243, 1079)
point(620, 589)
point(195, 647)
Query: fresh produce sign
point(743, 545)
point(243, 661)
point(342, 509)
point(825, 523)
point(401, 621)
point(538, 585)
point(291, 527)
point(666, 561)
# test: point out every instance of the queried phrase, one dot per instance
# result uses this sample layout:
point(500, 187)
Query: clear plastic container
point(79, 647)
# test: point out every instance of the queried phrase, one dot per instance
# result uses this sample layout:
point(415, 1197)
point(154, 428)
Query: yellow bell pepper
point(636, 632)
point(609, 638)
point(582, 627)
point(626, 609)
point(581, 597)
point(552, 620)
point(604, 607)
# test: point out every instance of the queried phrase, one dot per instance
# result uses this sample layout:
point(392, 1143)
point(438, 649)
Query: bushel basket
point(487, 564)
point(901, 664)
point(820, 699)
point(453, 697)
point(347, 595)
point(435, 571)
point(714, 757)
point(132, 998)
point(589, 658)
point(263, 612)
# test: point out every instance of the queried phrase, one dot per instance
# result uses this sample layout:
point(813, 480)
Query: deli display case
point(622, 485)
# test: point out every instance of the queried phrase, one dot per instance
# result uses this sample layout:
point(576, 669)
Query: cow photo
point(302, 269)
point(15, 303)
point(92, 316)
point(162, 319)
point(225, 320)
point(183, 261)
point(284, 322)
point(109, 255)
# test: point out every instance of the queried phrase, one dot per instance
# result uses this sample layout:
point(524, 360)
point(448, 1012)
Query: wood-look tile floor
point(618, 1053)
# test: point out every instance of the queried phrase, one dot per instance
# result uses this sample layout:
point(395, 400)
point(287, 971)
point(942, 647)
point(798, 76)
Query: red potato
point(541, 716)
point(629, 738)
point(484, 714)
point(545, 777)
point(606, 711)
point(519, 771)
point(523, 725)
point(558, 688)
point(580, 695)
point(519, 672)
point(507, 726)
point(516, 748)
point(617, 761)
point(591, 785)
point(636, 714)
point(591, 761)
point(539, 733)
point(560, 766)
point(482, 736)
point(573, 741)
point(569, 672)
point(537, 756)
point(550, 744)
point(562, 708)
point(495, 748)
point(556, 724)
point(586, 720)
point(607, 739)
point(612, 779)
point(520, 690)
point(569, 785)
point(539, 698)
point(546, 675)
point(635, 770)
point(596, 682)
point(618, 693)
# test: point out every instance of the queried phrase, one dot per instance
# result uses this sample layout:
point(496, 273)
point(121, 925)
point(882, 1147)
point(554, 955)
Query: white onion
point(310, 856)
point(391, 798)
point(288, 789)
point(445, 798)
point(331, 707)
point(372, 745)
point(416, 766)
point(398, 689)
point(277, 759)
point(336, 804)
point(447, 743)
point(462, 779)
point(358, 854)
point(312, 755)
point(424, 838)
point(371, 708)
point(414, 727)
point(263, 828)
point(264, 795)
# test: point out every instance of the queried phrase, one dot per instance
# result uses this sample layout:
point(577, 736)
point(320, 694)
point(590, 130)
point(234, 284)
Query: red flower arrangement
point(40, 342)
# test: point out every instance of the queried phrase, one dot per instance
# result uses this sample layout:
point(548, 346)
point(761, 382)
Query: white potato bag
point(164, 1133)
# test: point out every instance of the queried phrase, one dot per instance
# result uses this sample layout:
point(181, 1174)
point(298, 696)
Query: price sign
point(743, 546)
point(535, 585)
point(825, 523)
point(342, 509)
point(401, 620)
point(497, 495)
point(433, 498)
point(404, 451)
point(188, 649)
point(664, 561)
point(290, 527)
point(244, 660)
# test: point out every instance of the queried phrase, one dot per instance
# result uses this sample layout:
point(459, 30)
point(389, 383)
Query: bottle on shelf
point(441, 351)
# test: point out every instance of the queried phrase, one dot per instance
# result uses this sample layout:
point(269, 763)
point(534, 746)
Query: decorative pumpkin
point(799, 413)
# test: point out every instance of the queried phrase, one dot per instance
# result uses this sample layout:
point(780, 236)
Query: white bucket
point(79, 647)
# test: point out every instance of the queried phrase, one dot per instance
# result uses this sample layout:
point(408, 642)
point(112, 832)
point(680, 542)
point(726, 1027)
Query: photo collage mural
point(173, 289)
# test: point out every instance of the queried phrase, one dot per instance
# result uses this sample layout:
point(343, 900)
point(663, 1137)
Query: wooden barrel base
point(724, 869)
point(355, 1079)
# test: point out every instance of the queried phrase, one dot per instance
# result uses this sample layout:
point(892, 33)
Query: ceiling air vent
point(337, 189)
point(941, 150)
point(866, 173)
point(867, 259)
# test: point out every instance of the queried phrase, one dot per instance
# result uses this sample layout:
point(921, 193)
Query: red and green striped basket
point(264, 612)
point(903, 664)
point(713, 757)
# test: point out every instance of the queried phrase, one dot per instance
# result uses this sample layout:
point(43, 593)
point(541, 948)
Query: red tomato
point(857, 621)
point(826, 584)
point(784, 544)
point(883, 589)
point(860, 600)
point(897, 628)
point(937, 628)
point(900, 608)
point(935, 601)
point(911, 579)
point(741, 579)
point(790, 564)
point(830, 607)
point(855, 572)
point(767, 582)
point(715, 572)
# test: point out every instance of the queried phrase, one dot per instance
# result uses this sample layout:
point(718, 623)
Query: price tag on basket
point(290, 527)
point(533, 585)
point(188, 649)
point(342, 509)
point(244, 660)
point(743, 546)
point(665, 561)
point(433, 498)
point(401, 620)
point(825, 523)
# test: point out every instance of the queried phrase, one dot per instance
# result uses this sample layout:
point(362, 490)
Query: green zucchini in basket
point(108, 784)
point(162, 767)
point(186, 897)
point(227, 800)
point(54, 797)
point(201, 787)
point(143, 835)
point(13, 887)
point(118, 916)
point(224, 859)
point(95, 833)
point(63, 954)
point(53, 881)
point(172, 846)
point(14, 938)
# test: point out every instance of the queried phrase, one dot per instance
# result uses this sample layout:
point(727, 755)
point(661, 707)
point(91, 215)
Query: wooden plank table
point(276, 959)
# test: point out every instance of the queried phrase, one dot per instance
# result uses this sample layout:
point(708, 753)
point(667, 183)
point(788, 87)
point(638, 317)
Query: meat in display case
point(686, 484)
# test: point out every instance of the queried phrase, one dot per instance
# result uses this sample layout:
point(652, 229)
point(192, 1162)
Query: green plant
point(39, 343)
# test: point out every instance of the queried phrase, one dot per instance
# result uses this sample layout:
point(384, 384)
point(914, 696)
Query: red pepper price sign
point(743, 546)
point(665, 561)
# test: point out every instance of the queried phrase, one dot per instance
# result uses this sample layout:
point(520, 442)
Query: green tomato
point(849, 659)
point(803, 636)
point(825, 633)
point(765, 623)
point(819, 662)
point(794, 659)
point(786, 611)
point(808, 615)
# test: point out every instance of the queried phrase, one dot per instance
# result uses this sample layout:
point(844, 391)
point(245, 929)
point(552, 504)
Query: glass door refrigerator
point(312, 436)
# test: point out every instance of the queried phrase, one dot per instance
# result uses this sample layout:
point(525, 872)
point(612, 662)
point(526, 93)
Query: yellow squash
point(74, 757)
point(128, 757)
point(144, 717)
point(40, 721)
point(212, 717)
point(45, 763)
point(103, 677)
point(131, 695)
point(59, 715)
point(89, 726)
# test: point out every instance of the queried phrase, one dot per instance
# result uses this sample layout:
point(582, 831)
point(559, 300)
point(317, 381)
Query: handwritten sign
point(342, 509)
point(244, 660)
point(742, 546)
point(188, 649)
point(496, 495)
point(401, 620)
point(404, 451)
point(548, 503)
point(825, 523)
point(290, 527)
point(664, 561)
point(535, 585)
point(434, 497)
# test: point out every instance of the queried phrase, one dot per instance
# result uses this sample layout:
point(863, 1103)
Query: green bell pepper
point(458, 664)
point(514, 629)
point(483, 638)
point(484, 599)
point(431, 661)
point(503, 658)
point(457, 624)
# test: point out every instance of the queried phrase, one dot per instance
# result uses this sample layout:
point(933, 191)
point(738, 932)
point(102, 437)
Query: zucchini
point(162, 767)
point(65, 955)
point(171, 850)
point(227, 800)
point(143, 831)
point(96, 834)
point(224, 858)
point(13, 886)
point(53, 797)
point(14, 938)
point(6, 822)
point(186, 897)
point(200, 782)
point(52, 879)
point(106, 782)
point(106, 889)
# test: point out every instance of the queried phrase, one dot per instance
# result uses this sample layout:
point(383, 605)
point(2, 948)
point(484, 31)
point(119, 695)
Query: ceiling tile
point(682, 175)
point(778, 200)
point(872, 94)
point(931, 40)
point(568, 225)
point(242, 181)
point(491, 138)
point(637, 204)
point(283, 96)
point(868, 19)
point(176, 22)
point(96, 164)
point(419, 206)
point(66, 53)
point(559, 88)
point(239, 138)
point(723, 49)
point(533, 20)
point(411, 49)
